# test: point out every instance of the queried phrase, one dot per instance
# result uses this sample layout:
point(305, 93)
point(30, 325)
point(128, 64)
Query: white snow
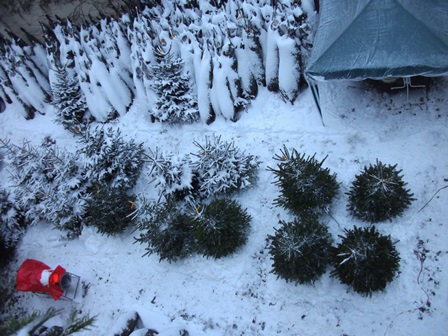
point(238, 295)
point(45, 277)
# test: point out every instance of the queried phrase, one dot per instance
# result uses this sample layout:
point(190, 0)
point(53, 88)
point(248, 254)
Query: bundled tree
point(140, 35)
point(365, 260)
point(300, 249)
point(252, 49)
point(230, 98)
point(109, 209)
point(175, 103)
point(304, 185)
point(167, 230)
point(116, 48)
point(289, 58)
point(110, 159)
point(305, 36)
point(107, 76)
point(11, 96)
point(204, 83)
point(222, 168)
point(378, 193)
point(23, 78)
point(221, 227)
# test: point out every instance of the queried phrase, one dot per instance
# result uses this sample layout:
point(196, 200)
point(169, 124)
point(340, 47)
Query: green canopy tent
point(379, 39)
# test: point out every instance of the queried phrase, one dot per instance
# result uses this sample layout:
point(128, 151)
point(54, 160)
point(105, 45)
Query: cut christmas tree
point(300, 249)
point(305, 186)
point(378, 193)
point(365, 260)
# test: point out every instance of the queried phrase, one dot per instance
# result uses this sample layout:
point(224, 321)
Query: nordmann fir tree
point(71, 107)
point(378, 193)
point(35, 324)
point(109, 209)
point(175, 103)
point(172, 174)
point(220, 167)
point(365, 260)
point(50, 185)
point(221, 227)
point(166, 229)
point(300, 249)
point(305, 187)
point(110, 158)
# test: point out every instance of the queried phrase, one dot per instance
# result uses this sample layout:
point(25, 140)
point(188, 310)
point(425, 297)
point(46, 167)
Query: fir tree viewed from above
point(218, 167)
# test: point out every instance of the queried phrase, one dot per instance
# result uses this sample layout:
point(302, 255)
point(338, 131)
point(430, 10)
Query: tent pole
point(316, 96)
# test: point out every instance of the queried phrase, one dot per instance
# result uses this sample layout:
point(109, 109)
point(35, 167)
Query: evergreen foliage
point(173, 174)
point(70, 105)
point(11, 227)
point(33, 321)
point(50, 186)
point(378, 193)
point(110, 159)
point(66, 196)
point(300, 249)
point(55, 185)
point(222, 168)
point(175, 103)
point(27, 174)
point(365, 260)
point(219, 167)
point(34, 324)
point(304, 185)
point(221, 227)
point(109, 209)
point(174, 230)
point(167, 230)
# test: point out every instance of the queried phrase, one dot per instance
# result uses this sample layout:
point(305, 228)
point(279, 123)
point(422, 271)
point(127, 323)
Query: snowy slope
point(238, 295)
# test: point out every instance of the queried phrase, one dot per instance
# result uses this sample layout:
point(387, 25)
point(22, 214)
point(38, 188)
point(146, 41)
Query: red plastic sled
point(35, 276)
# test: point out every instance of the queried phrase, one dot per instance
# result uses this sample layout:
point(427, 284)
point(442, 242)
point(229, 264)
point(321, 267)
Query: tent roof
point(380, 38)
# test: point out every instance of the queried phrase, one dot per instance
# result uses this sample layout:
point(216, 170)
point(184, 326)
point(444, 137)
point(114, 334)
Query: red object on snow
point(35, 276)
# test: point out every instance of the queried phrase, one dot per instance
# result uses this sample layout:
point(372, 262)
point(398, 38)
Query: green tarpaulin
point(359, 39)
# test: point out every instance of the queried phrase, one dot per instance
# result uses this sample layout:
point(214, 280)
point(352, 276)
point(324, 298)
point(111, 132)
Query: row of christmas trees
point(190, 61)
point(194, 212)
point(301, 249)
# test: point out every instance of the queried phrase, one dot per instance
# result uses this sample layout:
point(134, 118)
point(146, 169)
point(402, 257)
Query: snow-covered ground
point(238, 295)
